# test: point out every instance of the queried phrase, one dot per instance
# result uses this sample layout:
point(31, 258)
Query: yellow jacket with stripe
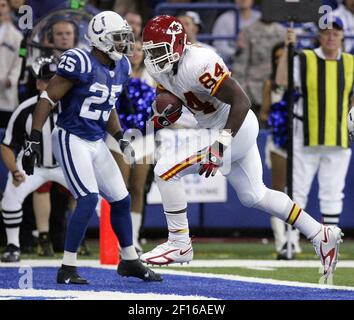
point(327, 87)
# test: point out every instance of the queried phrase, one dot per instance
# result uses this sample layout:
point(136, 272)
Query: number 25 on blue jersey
point(87, 111)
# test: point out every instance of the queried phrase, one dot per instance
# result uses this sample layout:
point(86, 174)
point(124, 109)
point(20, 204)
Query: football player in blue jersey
point(88, 84)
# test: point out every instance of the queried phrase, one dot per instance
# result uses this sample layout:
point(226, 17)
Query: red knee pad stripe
point(45, 187)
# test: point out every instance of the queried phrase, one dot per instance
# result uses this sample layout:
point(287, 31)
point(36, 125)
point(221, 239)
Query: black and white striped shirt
point(19, 128)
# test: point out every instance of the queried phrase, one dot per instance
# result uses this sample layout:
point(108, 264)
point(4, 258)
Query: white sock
point(307, 225)
point(174, 202)
point(70, 258)
point(128, 253)
point(136, 222)
point(13, 236)
point(280, 205)
point(177, 226)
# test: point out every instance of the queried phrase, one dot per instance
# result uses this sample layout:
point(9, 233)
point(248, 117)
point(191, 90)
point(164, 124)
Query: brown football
point(166, 98)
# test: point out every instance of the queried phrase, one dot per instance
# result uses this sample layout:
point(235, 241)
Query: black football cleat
point(11, 253)
point(69, 275)
point(135, 268)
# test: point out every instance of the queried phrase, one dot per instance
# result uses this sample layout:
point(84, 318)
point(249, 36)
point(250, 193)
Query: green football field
point(246, 251)
point(261, 250)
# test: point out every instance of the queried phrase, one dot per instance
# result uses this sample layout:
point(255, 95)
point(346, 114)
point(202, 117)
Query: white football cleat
point(326, 244)
point(169, 252)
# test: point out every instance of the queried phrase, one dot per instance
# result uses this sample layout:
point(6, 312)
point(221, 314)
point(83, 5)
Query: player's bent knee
point(252, 199)
point(11, 204)
point(89, 201)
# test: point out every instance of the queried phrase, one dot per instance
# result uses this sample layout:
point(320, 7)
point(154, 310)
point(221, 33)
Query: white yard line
point(195, 263)
point(253, 279)
point(212, 263)
point(92, 295)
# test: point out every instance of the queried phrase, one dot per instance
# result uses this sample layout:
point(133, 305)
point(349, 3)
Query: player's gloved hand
point(350, 124)
point(32, 152)
point(166, 118)
point(126, 148)
point(212, 160)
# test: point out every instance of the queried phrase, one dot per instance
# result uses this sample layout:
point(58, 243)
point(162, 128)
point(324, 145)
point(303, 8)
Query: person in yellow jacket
point(324, 77)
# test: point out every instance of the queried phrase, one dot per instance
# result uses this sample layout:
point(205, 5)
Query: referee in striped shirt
point(19, 185)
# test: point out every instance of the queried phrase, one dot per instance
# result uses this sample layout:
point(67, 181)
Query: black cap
point(47, 71)
point(338, 23)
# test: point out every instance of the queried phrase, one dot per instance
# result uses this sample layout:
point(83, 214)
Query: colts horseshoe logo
point(93, 26)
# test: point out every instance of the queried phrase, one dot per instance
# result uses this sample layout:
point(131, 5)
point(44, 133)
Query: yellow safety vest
point(326, 89)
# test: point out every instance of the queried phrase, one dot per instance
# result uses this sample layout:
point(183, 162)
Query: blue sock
point(85, 208)
point(121, 221)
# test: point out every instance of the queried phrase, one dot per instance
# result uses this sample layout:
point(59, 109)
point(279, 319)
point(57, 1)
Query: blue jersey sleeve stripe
point(82, 60)
point(88, 61)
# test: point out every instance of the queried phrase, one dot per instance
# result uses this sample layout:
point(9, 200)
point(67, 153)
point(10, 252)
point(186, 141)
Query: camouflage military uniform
point(253, 63)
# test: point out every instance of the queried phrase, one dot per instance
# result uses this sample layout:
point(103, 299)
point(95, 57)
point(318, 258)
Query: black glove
point(212, 160)
point(126, 148)
point(32, 152)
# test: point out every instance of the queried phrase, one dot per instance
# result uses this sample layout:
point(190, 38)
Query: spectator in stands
point(63, 35)
point(137, 63)
point(134, 19)
point(10, 63)
point(123, 6)
point(15, 6)
point(144, 8)
point(225, 25)
point(135, 176)
point(253, 63)
point(345, 11)
point(324, 76)
point(192, 24)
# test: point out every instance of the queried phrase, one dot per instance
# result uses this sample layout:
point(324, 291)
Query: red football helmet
point(164, 41)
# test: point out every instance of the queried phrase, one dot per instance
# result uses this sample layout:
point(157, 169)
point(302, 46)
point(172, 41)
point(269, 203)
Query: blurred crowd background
point(249, 45)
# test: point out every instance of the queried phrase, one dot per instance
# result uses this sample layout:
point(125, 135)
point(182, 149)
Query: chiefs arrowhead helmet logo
point(174, 28)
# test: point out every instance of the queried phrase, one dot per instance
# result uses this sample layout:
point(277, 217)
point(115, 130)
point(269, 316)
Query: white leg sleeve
point(175, 207)
point(280, 205)
point(275, 203)
point(172, 193)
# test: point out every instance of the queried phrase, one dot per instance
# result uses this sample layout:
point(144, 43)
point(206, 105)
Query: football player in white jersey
point(200, 78)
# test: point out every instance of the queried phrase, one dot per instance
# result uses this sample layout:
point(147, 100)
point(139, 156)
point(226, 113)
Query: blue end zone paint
point(36, 298)
point(108, 280)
